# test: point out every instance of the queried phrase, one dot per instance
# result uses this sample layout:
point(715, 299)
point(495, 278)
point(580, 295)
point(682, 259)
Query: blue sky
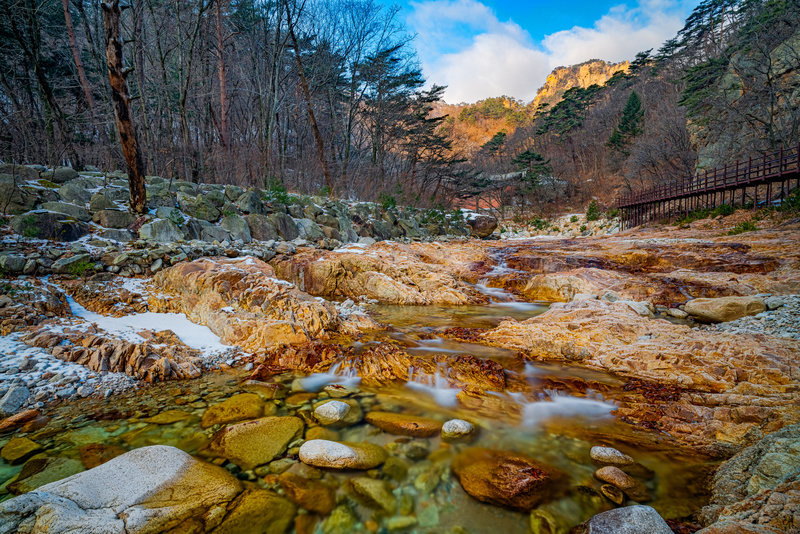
point(483, 48)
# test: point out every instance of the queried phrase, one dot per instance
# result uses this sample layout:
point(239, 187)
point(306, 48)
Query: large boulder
point(309, 230)
point(148, 490)
point(256, 442)
point(482, 225)
point(627, 520)
point(237, 226)
point(77, 191)
point(722, 309)
point(114, 218)
point(161, 231)
point(76, 212)
point(14, 198)
point(758, 488)
point(101, 202)
point(505, 478)
point(60, 175)
point(213, 233)
point(285, 226)
point(43, 224)
point(250, 202)
point(261, 228)
point(20, 172)
point(198, 207)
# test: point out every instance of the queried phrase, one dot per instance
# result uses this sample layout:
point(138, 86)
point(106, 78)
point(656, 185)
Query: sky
point(485, 48)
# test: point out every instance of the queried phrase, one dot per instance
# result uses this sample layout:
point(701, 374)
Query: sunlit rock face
point(391, 273)
point(243, 303)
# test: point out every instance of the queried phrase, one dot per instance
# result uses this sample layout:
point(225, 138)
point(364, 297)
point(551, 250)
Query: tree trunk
point(307, 96)
point(121, 101)
point(223, 89)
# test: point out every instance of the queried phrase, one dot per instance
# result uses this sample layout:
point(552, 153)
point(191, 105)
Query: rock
point(44, 224)
point(456, 430)
point(619, 478)
point(256, 442)
point(341, 455)
point(722, 309)
point(610, 456)
point(18, 419)
point(14, 198)
point(250, 202)
point(60, 175)
point(374, 493)
point(40, 471)
point(482, 225)
point(100, 202)
point(759, 487)
point(677, 313)
point(773, 303)
point(505, 478)
point(309, 494)
point(213, 233)
point(613, 493)
point(341, 521)
point(404, 425)
point(95, 454)
point(76, 212)
point(236, 408)
point(198, 207)
point(13, 400)
point(114, 218)
point(237, 226)
point(628, 520)
point(76, 264)
point(161, 231)
point(18, 449)
point(285, 226)
point(400, 523)
point(331, 412)
point(169, 417)
point(145, 491)
point(76, 191)
point(11, 264)
point(258, 511)
point(123, 236)
point(309, 230)
point(21, 172)
point(261, 228)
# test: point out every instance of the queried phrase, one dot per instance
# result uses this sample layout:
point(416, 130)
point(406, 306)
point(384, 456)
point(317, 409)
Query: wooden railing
point(778, 166)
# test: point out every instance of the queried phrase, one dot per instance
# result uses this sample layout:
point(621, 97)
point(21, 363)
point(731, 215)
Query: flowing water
point(552, 413)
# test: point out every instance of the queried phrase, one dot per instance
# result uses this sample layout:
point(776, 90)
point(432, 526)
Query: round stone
point(610, 456)
point(456, 429)
point(331, 412)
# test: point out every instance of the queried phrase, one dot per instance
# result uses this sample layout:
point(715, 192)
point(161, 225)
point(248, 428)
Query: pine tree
point(630, 124)
point(534, 165)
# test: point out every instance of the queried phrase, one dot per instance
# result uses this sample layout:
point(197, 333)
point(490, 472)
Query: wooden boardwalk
point(770, 176)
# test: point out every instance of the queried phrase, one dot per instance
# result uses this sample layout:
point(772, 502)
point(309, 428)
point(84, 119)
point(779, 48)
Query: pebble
point(331, 412)
point(610, 456)
point(456, 429)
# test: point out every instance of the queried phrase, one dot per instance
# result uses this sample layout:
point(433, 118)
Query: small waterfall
point(557, 404)
point(436, 385)
point(345, 375)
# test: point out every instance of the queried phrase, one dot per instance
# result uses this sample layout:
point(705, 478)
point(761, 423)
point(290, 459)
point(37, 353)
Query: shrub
point(742, 227)
point(79, 268)
point(593, 211)
point(537, 223)
point(387, 201)
point(611, 213)
point(583, 228)
point(573, 219)
point(276, 192)
point(724, 210)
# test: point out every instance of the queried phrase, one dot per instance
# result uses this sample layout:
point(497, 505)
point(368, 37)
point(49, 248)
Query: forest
point(327, 97)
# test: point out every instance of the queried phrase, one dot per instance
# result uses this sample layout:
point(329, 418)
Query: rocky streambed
point(646, 381)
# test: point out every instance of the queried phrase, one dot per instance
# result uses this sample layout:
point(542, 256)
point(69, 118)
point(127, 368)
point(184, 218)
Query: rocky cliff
point(594, 71)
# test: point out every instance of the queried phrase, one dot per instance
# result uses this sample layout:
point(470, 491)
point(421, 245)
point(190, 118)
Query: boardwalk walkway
point(765, 179)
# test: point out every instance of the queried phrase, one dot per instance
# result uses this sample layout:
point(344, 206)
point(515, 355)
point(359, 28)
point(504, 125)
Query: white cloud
point(462, 44)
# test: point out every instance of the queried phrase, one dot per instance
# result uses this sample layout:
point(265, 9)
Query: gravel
point(783, 321)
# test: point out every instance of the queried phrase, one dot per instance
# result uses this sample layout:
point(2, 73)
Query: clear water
point(552, 413)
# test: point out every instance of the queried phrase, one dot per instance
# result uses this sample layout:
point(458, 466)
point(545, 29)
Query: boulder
point(256, 442)
point(622, 480)
point(20, 172)
point(123, 236)
point(404, 425)
point(100, 202)
point(250, 202)
point(76, 191)
point(341, 455)
point(43, 224)
point(19, 449)
point(161, 231)
point(237, 408)
point(198, 207)
point(331, 412)
point(15, 199)
point(261, 227)
point(285, 226)
point(505, 478)
point(60, 175)
point(237, 226)
point(13, 400)
point(722, 309)
point(628, 520)
point(113, 218)
point(11, 264)
point(213, 233)
point(258, 511)
point(148, 490)
point(312, 495)
point(309, 230)
point(482, 225)
point(457, 430)
point(76, 212)
point(609, 456)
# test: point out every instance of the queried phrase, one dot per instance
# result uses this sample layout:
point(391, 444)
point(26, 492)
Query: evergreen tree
point(630, 124)
point(494, 145)
point(533, 164)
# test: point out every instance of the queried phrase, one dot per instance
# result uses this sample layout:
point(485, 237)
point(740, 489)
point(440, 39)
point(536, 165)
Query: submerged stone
point(312, 495)
point(236, 408)
point(341, 455)
point(257, 442)
point(628, 520)
point(405, 425)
